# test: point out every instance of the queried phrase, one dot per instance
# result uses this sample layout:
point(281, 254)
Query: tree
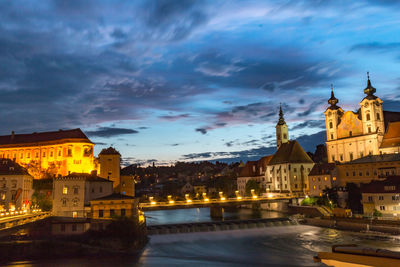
point(253, 184)
point(354, 199)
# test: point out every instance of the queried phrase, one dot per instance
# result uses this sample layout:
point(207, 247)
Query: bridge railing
point(190, 202)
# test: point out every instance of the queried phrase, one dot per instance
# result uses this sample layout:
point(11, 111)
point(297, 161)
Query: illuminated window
point(65, 190)
point(334, 178)
point(44, 154)
point(326, 179)
point(314, 187)
point(37, 154)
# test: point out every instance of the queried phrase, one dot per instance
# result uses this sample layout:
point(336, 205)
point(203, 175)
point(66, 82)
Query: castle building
point(288, 169)
point(50, 153)
point(369, 131)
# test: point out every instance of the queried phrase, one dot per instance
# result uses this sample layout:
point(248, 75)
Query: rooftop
point(83, 176)
point(42, 137)
point(290, 152)
point(115, 196)
point(322, 168)
point(9, 167)
point(109, 151)
point(375, 158)
point(389, 185)
point(252, 168)
point(391, 138)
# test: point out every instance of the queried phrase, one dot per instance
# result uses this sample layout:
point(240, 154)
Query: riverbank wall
point(358, 225)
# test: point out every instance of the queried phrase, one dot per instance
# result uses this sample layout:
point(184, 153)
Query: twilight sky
point(192, 80)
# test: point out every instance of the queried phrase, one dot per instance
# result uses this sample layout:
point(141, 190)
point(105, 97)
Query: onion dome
point(281, 118)
point(369, 90)
point(333, 100)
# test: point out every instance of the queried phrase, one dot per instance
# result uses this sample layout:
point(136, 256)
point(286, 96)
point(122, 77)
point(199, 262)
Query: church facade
point(369, 131)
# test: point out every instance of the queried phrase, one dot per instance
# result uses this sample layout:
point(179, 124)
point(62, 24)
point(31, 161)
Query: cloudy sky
point(191, 80)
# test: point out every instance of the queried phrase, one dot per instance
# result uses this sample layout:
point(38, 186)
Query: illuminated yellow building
point(369, 131)
point(50, 153)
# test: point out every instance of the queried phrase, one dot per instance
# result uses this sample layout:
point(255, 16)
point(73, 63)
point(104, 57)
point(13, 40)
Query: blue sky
point(191, 80)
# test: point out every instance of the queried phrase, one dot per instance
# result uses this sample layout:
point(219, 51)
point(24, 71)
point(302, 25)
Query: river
point(271, 246)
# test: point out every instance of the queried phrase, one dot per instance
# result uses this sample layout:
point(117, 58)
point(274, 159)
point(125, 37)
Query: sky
point(165, 81)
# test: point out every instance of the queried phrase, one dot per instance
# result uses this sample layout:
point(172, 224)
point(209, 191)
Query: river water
point(272, 246)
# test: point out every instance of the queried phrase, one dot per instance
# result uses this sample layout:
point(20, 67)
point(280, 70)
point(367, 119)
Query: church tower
point(282, 132)
point(332, 117)
point(371, 111)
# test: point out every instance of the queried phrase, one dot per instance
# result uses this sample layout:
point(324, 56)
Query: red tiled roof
point(249, 171)
point(391, 137)
point(15, 139)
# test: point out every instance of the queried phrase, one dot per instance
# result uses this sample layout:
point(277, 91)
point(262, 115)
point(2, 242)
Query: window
point(284, 136)
point(294, 169)
point(354, 173)
point(14, 184)
point(369, 129)
point(123, 212)
point(341, 157)
point(330, 125)
point(382, 207)
point(351, 155)
point(93, 190)
point(44, 154)
point(395, 198)
point(360, 173)
point(101, 213)
point(37, 154)
point(334, 178)
point(64, 202)
point(351, 133)
point(74, 227)
point(51, 154)
point(75, 190)
point(326, 178)
point(101, 189)
point(295, 185)
point(314, 187)
point(74, 214)
point(370, 199)
point(367, 173)
point(347, 173)
point(65, 190)
point(59, 153)
point(380, 197)
point(333, 157)
point(319, 179)
point(75, 202)
point(313, 179)
point(378, 116)
point(361, 154)
point(112, 212)
point(368, 117)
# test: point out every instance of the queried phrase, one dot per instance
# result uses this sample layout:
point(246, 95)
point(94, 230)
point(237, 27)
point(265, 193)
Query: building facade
point(72, 193)
point(15, 186)
point(369, 168)
point(382, 196)
point(322, 176)
point(352, 135)
point(115, 205)
point(50, 153)
point(252, 170)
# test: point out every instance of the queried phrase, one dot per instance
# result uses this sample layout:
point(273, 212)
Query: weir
point(217, 226)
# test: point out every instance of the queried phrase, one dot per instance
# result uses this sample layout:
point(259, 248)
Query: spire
point(333, 100)
point(369, 90)
point(281, 119)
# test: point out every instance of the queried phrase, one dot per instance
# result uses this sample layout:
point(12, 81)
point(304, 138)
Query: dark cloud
point(311, 108)
point(110, 132)
point(174, 117)
point(309, 124)
point(201, 130)
point(391, 105)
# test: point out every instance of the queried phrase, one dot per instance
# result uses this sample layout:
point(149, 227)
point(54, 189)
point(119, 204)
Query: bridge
point(216, 205)
point(12, 223)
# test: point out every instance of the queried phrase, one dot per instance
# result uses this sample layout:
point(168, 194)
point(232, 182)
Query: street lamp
point(238, 197)
point(221, 196)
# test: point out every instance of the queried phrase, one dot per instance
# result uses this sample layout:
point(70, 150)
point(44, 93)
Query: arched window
point(378, 116)
point(330, 125)
point(368, 117)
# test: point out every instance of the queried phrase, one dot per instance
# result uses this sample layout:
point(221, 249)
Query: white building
point(288, 169)
point(369, 131)
point(15, 186)
point(72, 194)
